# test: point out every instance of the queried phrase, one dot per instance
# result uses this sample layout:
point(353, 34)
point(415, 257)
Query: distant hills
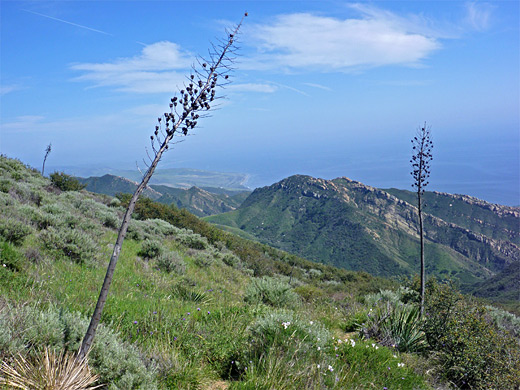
point(348, 224)
point(199, 201)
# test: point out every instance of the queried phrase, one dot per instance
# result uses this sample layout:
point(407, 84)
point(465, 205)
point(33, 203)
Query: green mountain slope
point(354, 226)
point(111, 185)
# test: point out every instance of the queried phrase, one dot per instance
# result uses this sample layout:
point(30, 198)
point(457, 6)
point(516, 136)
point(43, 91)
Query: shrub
point(193, 240)
point(110, 221)
point(14, 231)
point(5, 185)
point(279, 340)
point(9, 257)
point(505, 320)
point(135, 231)
point(150, 249)
point(472, 351)
point(271, 291)
point(203, 259)
point(26, 329)
point(74, 244)
point(114, 202)
point(230, 259)
point(159, 226)
point(171, 262)
point(66, 182)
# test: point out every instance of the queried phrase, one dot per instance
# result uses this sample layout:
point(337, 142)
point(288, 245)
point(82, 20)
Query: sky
point(322, 88)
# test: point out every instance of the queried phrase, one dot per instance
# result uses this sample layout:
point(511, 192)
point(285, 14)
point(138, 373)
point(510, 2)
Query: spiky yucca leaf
point(49, 371)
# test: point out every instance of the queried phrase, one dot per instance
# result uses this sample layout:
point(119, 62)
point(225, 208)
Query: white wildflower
point(330, 368)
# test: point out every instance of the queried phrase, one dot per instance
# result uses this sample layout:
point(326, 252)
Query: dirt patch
point(218, 385)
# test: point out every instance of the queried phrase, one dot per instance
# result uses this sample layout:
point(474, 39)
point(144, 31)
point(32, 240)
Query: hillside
point(111, 185)
point(354, 226)
point(193, 307)
point(199, 201)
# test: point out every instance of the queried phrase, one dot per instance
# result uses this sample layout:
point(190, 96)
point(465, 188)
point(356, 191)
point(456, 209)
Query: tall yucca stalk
point(194, 100)
point(49, 371)
point(422, 149)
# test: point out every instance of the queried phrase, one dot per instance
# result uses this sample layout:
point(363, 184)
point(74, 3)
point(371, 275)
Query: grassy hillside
point(192, 307)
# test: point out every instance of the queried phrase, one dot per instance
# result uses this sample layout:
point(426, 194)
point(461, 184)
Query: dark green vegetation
point(194, 307)
point(66, 182)
point(354, 226)
point(199, 201)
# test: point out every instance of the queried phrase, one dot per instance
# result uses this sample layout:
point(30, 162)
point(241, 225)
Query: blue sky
point(324, 88)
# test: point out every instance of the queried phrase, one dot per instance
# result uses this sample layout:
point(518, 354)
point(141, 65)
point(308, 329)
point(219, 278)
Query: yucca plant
point(48, 371)
point(395, 324)
point(405, 328)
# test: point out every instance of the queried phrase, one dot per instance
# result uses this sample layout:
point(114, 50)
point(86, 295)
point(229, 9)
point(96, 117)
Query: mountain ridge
point(379, 225)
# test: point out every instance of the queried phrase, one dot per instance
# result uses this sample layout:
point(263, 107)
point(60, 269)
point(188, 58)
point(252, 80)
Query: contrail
point(73, 24)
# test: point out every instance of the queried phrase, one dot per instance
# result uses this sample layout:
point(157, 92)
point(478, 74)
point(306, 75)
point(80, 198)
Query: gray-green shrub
point(72, 243)
point(24, 329)
point(271, 291)
point(171, 262)
point(150, 249)
point(13, 230)
point(193, 240)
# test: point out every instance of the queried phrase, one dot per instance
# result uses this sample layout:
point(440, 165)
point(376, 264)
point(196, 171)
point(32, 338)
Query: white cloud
point(304, 40)
point(160, 67)
point(478, 15)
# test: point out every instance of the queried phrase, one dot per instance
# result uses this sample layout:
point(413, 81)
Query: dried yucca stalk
point(49, 371)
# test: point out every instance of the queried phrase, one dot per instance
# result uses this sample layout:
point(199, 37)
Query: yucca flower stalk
point(422, 146)
point(192, 103)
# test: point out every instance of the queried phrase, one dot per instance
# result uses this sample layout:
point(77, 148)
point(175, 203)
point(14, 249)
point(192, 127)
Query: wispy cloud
point(478, 15)
point(252, 87)
point(376, 38)
point(319, 86)
point(156, 69)
point(5, 89)
point(67, 22)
